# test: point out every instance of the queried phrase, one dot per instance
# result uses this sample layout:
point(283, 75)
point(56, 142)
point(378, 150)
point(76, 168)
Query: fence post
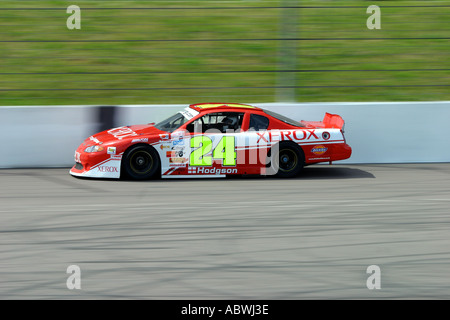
point(287, 51)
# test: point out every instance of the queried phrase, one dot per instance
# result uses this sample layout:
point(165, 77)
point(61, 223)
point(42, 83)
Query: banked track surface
point(311, 237)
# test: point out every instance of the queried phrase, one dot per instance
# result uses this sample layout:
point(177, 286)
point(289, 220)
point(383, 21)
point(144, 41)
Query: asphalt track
point(312, 237)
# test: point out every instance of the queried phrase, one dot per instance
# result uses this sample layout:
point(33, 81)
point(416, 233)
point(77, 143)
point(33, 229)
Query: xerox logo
point(108, 169)
point(281, 135)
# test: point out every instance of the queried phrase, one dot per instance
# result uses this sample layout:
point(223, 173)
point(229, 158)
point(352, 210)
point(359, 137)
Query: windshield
point(284, 119)
point(172, 123)
point(177, 120)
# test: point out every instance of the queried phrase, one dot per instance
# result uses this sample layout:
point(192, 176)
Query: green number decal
point(203, 145)
point(225, 151)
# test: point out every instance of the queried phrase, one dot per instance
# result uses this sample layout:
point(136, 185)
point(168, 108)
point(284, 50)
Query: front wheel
point(141, 162)
point(288, 160)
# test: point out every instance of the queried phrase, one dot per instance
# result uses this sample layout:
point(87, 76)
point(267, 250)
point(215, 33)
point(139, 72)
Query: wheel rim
point(288, 160)
point(141, 162)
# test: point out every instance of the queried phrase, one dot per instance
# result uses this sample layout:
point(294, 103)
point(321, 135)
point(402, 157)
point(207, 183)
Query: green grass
point(164, 72)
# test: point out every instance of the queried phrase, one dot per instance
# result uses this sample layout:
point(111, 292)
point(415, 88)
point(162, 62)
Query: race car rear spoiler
point(329, 121)
point(333, 121)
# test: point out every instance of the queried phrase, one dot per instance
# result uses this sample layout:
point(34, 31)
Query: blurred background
point(172, 52)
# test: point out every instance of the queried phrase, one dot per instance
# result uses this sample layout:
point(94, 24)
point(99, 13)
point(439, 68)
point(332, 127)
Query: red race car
point(212, 140)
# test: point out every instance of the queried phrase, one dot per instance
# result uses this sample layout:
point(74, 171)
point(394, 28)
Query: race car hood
point(125, 132)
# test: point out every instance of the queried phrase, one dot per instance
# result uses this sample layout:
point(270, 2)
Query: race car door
point(214, 141)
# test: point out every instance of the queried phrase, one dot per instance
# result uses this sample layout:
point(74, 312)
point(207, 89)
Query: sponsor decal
point(326, 135)
point(178, 160)
point(203, 170)
point(111, 150)
point(163, 146)
point(177, 165)
point(107, 169)
point(178, 142)
point(189, 113)
point(77, 157)
point(139, 140)
point(319, 150)
point(174, 154)
point(261, 137)
point(283, 135)
point(92, 138)
point(164, 136)
point(116, 157)
point(122, 132)
point(320, 158)
point(179, 134)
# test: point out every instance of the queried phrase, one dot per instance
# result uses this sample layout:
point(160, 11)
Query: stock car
point(212, 140)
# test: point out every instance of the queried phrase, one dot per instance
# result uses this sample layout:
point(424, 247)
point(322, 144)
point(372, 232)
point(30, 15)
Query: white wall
point(377, 132)
point(42, 136)
point(386, 132)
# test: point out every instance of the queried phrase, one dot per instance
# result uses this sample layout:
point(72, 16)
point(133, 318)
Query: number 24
point(224, 150)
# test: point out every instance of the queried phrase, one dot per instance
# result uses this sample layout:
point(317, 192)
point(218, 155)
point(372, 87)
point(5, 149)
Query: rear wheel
point(288, 160)
point(141, 162)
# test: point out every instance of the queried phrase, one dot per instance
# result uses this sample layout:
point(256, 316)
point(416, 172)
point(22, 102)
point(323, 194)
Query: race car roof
point(203, 106)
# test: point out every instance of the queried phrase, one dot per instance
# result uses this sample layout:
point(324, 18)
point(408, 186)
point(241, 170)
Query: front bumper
point(96, 165)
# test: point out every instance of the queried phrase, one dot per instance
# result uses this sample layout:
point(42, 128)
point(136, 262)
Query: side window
point(195, 126)
point(222, 121)
point(258, 122)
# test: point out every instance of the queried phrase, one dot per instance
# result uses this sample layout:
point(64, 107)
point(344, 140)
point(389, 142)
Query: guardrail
point(388, 132)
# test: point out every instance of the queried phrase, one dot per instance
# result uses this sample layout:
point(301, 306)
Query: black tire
point(288, 159)
point(141, 162)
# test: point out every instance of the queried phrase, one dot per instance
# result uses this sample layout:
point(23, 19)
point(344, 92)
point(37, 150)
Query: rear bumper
point(341, 152)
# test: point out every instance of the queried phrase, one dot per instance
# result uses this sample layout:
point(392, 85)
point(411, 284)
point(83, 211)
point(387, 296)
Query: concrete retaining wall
point(378, 132)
